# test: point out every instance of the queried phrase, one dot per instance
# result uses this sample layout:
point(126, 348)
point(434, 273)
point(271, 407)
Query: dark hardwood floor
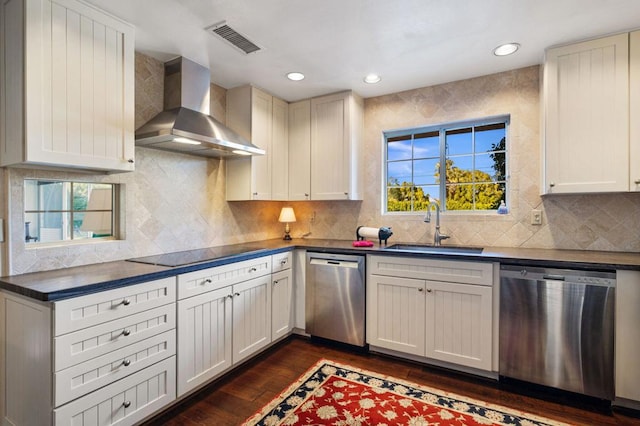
point(239, 394)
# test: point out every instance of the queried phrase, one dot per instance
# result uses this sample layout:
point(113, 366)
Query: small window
point(68, 211)
point(472, 156)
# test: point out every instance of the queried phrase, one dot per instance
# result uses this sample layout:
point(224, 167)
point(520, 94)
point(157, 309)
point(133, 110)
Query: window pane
point(399, 148)
point(490, 138)
point(460, 197)
point(399, 198)
point(426, 145)
point(425, 171)
point(53, 227)
point(459, 169)
point(485, 168)
point(425, 194)
point(399, 172)
point(499, 166)
point(93, 224)
point(459, 141)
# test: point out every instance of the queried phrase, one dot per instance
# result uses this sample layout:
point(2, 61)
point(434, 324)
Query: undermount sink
point(418, 248)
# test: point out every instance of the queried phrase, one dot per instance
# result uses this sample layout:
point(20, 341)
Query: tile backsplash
point(177, 202)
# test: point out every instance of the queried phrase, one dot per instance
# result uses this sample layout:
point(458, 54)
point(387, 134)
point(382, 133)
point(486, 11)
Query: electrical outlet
point(536, 217)
point(312, 219)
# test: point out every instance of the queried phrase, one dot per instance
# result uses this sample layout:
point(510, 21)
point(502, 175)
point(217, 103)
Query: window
point(471, 155)
point(65, 211)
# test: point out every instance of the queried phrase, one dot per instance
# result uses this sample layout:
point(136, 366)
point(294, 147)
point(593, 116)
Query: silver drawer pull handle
point(207, 281)
point(236, 294)
point(230, 296)
point(283, 262)
point(126, 332)
point(126, 404)
point(252, 270)
point(126, 362)
point(126, 302)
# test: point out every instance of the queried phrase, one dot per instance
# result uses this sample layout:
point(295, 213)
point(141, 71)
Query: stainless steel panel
point(556, 329)
point(335, 297)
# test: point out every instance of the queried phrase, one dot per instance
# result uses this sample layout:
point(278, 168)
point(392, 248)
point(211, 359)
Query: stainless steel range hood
point(185, 124)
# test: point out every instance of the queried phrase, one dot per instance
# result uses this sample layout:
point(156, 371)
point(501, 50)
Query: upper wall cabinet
point(67, 86)
point(262, 119)
point(300, 150)
point(336, 138)
point(588, 145)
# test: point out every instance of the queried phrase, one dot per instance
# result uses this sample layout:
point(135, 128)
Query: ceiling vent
point(233, 37)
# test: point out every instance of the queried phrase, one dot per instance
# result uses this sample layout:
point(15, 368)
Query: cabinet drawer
point(480, 273)
point(86, 311)
point(83, 345)
point(81, 379)
point(126, 401)
point(198, 282)
point(280, 262)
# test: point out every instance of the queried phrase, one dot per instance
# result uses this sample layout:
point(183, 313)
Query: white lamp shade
point(287, 215)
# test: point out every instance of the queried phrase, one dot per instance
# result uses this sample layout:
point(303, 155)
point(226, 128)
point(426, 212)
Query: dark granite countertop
point(80, 280)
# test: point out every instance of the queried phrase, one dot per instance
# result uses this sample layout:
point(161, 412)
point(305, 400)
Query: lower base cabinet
point(127, 401)
point(413, 309)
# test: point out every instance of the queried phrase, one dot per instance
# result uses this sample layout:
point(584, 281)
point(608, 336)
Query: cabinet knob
point(236, 294)
point(275, 282)
point(230, 296)
point(552, 184)
point(346, 194)
point(126, 302)
point(252, 270)
point(130, 161)
point(207, 281)
point(637, 181)
point(126, 332)
point(420, 289)
point(428, 290)
point(126, 362)
point(283, 262)
point(306, 195)
point(126, 404)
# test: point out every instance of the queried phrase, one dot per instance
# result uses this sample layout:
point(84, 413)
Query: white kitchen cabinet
point(204, 338)
point(224, 317)
point(300, 150)
point(396, 314)
point(586, 117)
point(67, 86)
point(634, 111)
point(439, 310)
point(336, 137)
point(627, 341)
point(261, 119)
point(105, 357)
point(251, 317)
point(281, 304)
point(458, 324)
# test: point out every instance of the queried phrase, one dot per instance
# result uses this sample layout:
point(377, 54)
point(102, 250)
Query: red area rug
point(336, 394)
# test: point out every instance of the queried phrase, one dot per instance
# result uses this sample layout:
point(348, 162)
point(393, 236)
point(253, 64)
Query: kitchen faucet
point(437, 236)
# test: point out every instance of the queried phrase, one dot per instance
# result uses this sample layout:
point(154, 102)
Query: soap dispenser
point(503, 208)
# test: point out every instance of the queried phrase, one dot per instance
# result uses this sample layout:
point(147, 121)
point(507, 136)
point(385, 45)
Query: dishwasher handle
point(336, 263)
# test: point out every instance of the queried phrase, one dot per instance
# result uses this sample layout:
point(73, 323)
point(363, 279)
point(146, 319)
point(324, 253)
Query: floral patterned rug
point(330, 393)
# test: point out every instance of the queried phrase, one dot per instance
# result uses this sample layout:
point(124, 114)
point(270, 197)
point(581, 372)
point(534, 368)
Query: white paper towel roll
point(367, 232)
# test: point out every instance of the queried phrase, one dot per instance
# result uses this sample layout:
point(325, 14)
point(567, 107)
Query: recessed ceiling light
point(295, 76)
point(372, 79)
point(506, 49)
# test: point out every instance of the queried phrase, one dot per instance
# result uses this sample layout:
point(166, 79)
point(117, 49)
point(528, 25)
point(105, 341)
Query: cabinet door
point(261, 133)
point(396, 314)
point(330, 154)
point(204, 338)
point(251, 317)
point(627, 339)
point(300, 150)
point(78, 89)
point(281, 301)
point(634, 111)
point(280, 151)
point(586, 95)
point(459, 323)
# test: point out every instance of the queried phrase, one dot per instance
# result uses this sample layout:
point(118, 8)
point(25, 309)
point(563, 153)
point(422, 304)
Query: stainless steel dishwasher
point(335, 297)
point(557, 328)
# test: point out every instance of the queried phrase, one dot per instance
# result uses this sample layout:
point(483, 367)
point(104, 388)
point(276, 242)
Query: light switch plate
point(536, 217)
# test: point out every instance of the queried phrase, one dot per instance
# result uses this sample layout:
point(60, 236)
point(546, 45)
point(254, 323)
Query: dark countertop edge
point(324, 246)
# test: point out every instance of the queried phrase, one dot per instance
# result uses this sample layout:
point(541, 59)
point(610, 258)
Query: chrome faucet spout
point(437, 236)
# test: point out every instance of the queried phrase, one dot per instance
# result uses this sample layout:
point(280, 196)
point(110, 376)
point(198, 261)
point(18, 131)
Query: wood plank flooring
point(239, 394)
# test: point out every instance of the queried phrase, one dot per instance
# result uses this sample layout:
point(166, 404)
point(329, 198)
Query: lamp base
point(287, 237)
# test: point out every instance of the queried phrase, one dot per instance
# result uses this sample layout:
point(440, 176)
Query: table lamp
point(287, 216)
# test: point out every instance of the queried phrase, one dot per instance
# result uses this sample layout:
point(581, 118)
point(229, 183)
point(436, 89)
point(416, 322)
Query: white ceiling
point(335, 43)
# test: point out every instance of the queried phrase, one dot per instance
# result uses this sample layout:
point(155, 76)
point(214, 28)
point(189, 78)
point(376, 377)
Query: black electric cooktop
point(188, 257)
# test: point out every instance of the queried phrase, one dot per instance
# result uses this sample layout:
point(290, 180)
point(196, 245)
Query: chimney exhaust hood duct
point(185, 124)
